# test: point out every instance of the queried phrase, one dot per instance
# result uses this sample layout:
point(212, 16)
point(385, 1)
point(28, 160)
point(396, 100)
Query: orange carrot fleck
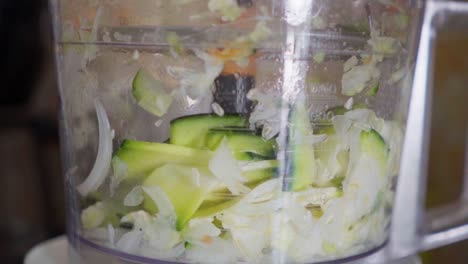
point(207, 239)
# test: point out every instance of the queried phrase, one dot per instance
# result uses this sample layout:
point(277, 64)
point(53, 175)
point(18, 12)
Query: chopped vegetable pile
point(241, 180)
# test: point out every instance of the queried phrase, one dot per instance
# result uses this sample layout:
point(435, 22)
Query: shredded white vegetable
point(398, 75)
point(120, 172)
point(228, 9)
point(91, 50)
point(260, 33)
point(355, 80)
point(266, 112)
point(154, 236)
point(258, 165)
point(383, 45)
point(217, 109)
point(103, 160)
point(200, 231)
point(350, 63)
point(196, 84)
point(316, 196)
point(135, 55)
point(130, 242)
point(349, 103)
point(319, 57)
point(224, 166)
point(160, 198)
point(111, 234)
point(217, 251)
point(93, 216)
point(135, 197)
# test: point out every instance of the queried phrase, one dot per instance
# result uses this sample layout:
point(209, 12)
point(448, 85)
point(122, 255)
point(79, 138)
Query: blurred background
point(31, 196)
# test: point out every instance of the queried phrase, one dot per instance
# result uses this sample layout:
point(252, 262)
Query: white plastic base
point(55, 251)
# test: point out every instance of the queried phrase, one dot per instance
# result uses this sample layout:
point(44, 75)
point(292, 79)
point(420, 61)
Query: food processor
point(248, 131)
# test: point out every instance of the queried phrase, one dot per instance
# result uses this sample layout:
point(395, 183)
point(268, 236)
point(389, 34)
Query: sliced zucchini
point(303, 168)
point(103, 213)
point(373, 90)
point(141, 158)
point(242, 143)
point(185, 191)
point(210, 207)
point(373, 144)
point(333, 158)
point(258, 176)
point(191, 131)
point(338, 110)
point(221, 198)
point(150, 93)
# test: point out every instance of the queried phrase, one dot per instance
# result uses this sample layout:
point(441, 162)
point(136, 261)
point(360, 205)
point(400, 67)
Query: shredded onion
point(120, 172)
point(103, 160)
point(217, 109)
point(316, 196)
point(224, 166)
point(218, 251)
point(130, 241)
point(398, 75)
point(258, 165)
point(111, 234)
point(355, 80)
point(93, 216)
point(383, 45)
point(350, 63)
point(159, 233)
point(229, 9)
point(99, 234)
point(165, 207)
point(196, 84)
point(198, 230)
point(91, 50)
point(134, 197)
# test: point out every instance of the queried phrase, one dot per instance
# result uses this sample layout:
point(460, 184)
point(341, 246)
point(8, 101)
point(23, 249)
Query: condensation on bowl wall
point(56, 251)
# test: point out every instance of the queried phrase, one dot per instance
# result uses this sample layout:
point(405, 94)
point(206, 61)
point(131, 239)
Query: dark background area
point(31, 196)
point(31, 193)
